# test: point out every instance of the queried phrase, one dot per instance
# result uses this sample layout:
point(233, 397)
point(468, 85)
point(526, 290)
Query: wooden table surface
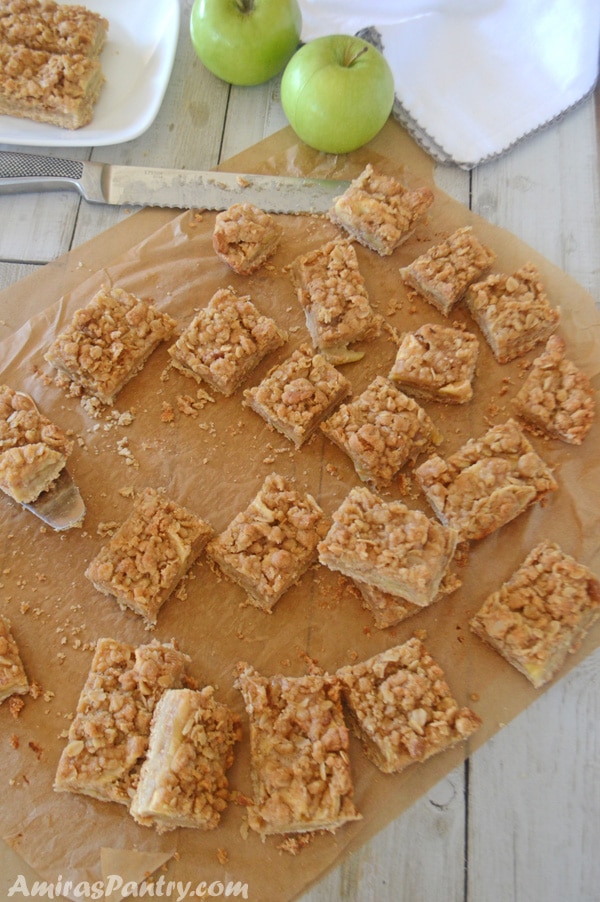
point(520, 820)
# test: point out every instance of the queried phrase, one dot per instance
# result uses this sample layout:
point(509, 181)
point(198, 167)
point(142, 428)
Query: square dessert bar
point(108, 342)
point(389, 546)
point(33, 450)
point(486, 483)
point(437, 363)
point(379, 211)
point(443, 274)
point(382, 430)
point(245, 237)
point(225, 341)
point(13, 679)
point(332, 292)
point(53, 27)
point(541, 613)
point(183, 781)
point(299, 761)
point(557, 398)
point(142, 563)
point(108, 737)
point(402, 708)
point(269, 546)
point(388, 610)
point(297, 395)
point(513, 312)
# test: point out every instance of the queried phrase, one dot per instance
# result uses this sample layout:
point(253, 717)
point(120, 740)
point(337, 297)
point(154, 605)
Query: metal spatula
point(61, 507)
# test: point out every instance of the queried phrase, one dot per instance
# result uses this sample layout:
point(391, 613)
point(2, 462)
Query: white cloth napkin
point(473, 77)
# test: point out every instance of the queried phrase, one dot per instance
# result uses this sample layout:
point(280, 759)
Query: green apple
point(245, 42)
point(337, 92)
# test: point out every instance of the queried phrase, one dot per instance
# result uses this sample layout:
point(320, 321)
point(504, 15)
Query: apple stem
point(245, 6)
point(352, 59)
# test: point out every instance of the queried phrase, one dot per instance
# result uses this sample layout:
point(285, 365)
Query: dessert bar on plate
point(443, 274)
point(13, 679)
point(486, 483)
point(402, 708)
point(379, 212)
point(557, 398)
point(108, 342)
point(268, 547)
point(183, 781)
point(382, 430)
point(33, 450)
point(245, 237)
point(437, 363)
point(142, 563)
point(295, 396)
point(299, 759)
point(53, 27)
point(541, 613)
point(225, 341)
point(388, 545)
point(332, 292)
point(108, 736)
point(512, 311)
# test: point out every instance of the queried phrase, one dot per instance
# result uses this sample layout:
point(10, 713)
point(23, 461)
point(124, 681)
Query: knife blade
point(108, 183)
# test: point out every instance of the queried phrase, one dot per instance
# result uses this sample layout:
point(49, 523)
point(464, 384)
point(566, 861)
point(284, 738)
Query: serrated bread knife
point(108, 183)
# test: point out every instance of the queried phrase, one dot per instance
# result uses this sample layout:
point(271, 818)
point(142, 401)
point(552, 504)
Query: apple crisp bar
point(33, 451)
point(382, 430)
point(513, 312)
point(225, 341)
point(269, 546)
point(388, 610)
point(379, 212)
point(443, 274)
point(297, 395)
point(245, 237)
point(557, 398)
point(53, 27)
point(13, 679)
point(486, 483)
point(541, 613)
point(108, 342)
point(108, 736)
point(388, 545)
point(437, 363)
point(56, 88)
point(183, 780)
point(142, 563)
point(300, 767)
point(333, 295)
point(402, 708)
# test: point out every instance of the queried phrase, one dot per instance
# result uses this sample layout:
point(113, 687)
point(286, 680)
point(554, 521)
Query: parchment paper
point(214, 463)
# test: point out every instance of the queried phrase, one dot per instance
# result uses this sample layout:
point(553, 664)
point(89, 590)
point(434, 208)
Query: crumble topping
point(53, 27)
point(245, 237)
point(437, 363)
point(13, 679)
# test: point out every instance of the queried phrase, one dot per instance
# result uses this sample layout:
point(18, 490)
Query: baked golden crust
point(333, 295)
point(513, 312)
point(225, 341)
point(437, 363)
point(108, 737)
point(268, 547)
point(388, 545)
point(295, 396)
point(379, 212)
point(382, 431)
point(33, 451)
point(13, 679)
point(402, 708)
point(245, 237)
point(141, 565)
point(183, 780)
point(108, 342)
point(541, 613)
point(486, 483)
point(300, 768)
point(443, 274)
point(389, 610)
point(557, 398)
point(52, 27)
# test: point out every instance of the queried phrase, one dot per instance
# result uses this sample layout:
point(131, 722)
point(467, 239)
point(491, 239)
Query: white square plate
point(137, 61)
